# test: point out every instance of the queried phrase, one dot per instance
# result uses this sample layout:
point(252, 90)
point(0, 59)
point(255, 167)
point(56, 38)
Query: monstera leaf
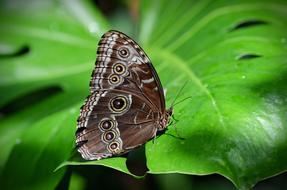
point(47, 53)
point(232, 56)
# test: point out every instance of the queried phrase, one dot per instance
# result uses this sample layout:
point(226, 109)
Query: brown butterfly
point(126, 107)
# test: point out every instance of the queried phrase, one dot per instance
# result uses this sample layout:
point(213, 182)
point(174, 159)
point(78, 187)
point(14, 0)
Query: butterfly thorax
point(165, 119)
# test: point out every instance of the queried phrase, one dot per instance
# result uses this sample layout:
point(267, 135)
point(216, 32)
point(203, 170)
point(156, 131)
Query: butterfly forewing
point(116, 50)
point(126, 106)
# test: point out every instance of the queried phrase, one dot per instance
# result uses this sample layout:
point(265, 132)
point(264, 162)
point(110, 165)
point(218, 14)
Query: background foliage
point(231, 53)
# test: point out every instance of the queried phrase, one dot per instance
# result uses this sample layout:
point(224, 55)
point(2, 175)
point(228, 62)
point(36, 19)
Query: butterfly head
point(169, 112)
point(166, 118)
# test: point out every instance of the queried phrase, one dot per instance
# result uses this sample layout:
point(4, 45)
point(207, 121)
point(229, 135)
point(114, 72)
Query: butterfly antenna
point(178, 93)
point(182, 100)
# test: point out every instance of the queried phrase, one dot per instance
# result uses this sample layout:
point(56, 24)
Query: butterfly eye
point(124, 52)
point(106, 124)
point(109, 136)
point(118, 104)
point(114, 147)
point(114, 79)
point(119, 68)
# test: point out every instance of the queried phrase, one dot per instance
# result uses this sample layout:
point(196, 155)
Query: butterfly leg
point(173, 123)
point(174, 119)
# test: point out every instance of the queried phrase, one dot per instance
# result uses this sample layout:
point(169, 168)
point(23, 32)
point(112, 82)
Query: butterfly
point(126, 105)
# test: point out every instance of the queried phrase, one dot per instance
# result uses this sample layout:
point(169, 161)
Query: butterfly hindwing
point(121, 118)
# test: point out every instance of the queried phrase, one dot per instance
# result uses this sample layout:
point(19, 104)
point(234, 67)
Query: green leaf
point(41, 147)
point(47, 51)
point(115, 163)
point(232, 54)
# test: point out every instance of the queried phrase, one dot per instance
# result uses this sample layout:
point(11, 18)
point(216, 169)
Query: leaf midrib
point(180, 64)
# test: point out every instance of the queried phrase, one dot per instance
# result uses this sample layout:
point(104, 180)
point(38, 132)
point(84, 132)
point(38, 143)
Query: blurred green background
point(231, 53)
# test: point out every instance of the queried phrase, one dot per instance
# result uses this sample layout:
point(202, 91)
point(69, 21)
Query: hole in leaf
point(248, 56)
point(29, 99)
point(9, 52)
point(248, 23)
point(65, 181)
point(136, 161)
point(107, 7)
